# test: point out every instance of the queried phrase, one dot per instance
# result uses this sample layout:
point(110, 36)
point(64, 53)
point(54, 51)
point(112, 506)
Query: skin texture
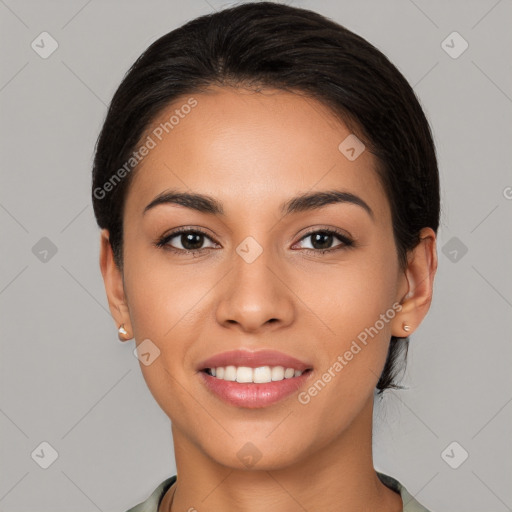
point(252, 151)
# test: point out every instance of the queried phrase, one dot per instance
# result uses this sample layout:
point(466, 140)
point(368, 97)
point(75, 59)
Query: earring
point(406, 327)
point(122, 333)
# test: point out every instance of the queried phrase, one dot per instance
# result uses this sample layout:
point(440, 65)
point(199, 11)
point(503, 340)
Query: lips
point(253, 360)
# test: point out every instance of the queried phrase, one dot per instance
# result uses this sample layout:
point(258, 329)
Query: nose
point(256, 295)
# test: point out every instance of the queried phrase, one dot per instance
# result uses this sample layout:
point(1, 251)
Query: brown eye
point(191, 241)
point(322, 240)
point(185, 241)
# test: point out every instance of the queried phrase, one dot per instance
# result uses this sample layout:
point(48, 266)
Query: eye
point(190, 241)
point(321, 240)
point(187, 241)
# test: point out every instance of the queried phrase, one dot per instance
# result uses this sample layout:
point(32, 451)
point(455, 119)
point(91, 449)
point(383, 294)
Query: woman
point(267, 190)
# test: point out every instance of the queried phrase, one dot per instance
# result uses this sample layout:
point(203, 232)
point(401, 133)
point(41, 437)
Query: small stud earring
point(122, 332)
point(406, 327)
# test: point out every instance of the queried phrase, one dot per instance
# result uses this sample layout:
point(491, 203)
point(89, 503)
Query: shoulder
point(151, 504)
point(410, 503)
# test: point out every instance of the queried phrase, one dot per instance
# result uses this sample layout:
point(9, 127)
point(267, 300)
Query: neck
point(338, 475)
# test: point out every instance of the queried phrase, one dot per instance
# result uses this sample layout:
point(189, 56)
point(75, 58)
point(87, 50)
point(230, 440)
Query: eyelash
point(162, 242)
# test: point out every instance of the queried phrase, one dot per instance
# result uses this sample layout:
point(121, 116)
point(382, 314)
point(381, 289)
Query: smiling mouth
point(259, 375)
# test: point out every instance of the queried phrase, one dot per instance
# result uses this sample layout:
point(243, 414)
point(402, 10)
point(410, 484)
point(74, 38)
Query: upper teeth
point(259, 375)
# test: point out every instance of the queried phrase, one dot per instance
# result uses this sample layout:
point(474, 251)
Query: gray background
point(66, 380)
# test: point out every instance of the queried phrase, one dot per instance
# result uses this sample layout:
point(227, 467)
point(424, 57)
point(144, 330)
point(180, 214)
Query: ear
point(114, 286)
point(416, 287)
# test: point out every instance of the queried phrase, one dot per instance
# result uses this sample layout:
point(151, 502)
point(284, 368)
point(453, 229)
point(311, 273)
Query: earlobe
point(114, 287)
point(123, 334)
point(419, 274)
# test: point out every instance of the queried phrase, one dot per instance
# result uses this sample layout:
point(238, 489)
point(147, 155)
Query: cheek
point(160, 294)
point(356, 303)
point(351, 297)
point(358, 307)
point(164, 304)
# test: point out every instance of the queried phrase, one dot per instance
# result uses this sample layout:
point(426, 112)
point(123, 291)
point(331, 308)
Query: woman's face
point(258, 279)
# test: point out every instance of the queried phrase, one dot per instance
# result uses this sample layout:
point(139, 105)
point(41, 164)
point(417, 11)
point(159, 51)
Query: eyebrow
point(305, 202)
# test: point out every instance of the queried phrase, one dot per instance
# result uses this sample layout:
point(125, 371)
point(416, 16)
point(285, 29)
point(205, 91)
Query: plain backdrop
point(67, 381)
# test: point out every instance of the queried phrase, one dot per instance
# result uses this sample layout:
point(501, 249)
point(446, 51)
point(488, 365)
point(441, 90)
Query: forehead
point(250, 148)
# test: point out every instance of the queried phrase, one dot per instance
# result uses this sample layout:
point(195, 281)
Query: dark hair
point(266, 44)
